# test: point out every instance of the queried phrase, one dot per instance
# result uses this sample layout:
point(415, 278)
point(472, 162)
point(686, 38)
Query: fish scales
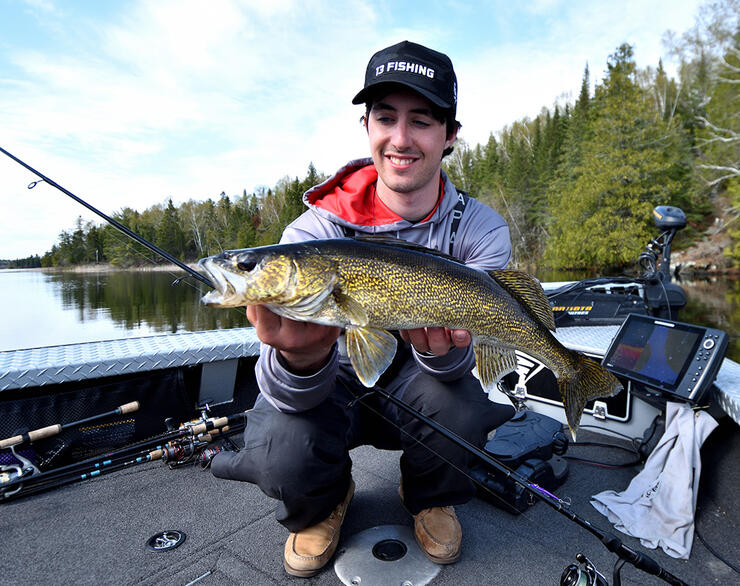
point(369, 286)
point(439, 292)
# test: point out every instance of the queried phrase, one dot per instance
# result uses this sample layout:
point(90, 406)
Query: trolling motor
point(663, 298)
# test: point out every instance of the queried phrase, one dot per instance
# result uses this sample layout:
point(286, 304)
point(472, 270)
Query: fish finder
point(678, 359)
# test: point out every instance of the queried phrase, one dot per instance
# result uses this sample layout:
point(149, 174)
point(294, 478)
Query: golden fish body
point(369, 286)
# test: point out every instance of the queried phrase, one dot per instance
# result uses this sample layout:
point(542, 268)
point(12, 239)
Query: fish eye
point(246, 265)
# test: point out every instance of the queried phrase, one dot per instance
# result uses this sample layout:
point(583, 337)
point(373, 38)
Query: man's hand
point(304, 346)
point(438, 341)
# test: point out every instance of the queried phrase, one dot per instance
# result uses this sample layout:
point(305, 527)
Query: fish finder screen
point(657, 352)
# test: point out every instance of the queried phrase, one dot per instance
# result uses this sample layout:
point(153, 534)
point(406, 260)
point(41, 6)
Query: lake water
point(63, 307)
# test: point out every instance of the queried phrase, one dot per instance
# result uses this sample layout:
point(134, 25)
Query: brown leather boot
point(439, 534)
point(308, 550)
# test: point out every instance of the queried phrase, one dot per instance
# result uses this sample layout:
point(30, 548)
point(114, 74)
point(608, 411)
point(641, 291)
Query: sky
point(131, 103)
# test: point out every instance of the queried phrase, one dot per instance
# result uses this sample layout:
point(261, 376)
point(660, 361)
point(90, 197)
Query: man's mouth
point(400, 161)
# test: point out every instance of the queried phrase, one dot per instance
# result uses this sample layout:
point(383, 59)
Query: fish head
point(280, 275)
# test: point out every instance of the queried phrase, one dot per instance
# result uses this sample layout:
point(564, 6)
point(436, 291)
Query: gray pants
point(302, 459)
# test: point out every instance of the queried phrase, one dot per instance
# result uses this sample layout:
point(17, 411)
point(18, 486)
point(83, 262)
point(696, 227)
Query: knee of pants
point(461, 405)
point(295, 446)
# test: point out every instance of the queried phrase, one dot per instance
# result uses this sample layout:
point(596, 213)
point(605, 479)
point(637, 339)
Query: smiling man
point(304, 421)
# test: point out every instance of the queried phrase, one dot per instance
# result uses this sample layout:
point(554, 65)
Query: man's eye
point(421, 123)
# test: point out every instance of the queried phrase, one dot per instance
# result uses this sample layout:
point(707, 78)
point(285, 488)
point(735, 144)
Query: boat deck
point(95, 532)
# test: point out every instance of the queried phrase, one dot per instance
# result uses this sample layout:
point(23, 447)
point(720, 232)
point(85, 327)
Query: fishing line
point(107, 218)
point(612, 543)
point(360, 399)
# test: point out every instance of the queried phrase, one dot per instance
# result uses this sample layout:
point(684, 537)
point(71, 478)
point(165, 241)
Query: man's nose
point(401, 137)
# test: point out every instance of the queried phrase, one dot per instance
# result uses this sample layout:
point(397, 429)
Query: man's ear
point(452, 137)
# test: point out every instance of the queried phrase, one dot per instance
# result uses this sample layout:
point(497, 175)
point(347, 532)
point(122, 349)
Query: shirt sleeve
point(289, 392)
point(283, 389)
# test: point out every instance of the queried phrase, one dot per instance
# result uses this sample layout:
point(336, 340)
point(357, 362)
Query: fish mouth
point(223, 288)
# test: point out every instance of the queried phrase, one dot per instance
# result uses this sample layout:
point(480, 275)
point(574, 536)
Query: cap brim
point(365, 95)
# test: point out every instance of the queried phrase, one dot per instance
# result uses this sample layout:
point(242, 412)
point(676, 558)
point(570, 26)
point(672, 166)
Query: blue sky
point(129, 103)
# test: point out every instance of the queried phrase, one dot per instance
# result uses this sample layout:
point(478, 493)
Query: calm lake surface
point(63, 307)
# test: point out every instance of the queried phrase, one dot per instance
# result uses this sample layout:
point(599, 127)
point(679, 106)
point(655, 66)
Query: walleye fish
point(369, 285)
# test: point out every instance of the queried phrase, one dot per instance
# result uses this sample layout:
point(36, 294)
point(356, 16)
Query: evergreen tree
point(169, 233)
point(631, 161)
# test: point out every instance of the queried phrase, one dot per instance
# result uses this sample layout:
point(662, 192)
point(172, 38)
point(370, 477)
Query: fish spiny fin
point(527, 291)
point(492, 363)
point(353, 310)
point(592, 381)
point(371, 351)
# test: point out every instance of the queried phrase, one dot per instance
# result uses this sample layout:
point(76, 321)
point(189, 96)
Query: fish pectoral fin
point(493, 362)
point(353, 310)
point(305, 307)
point(371, 351)
point(527, 291)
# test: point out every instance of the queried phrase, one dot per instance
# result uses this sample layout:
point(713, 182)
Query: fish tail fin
point(591, 381)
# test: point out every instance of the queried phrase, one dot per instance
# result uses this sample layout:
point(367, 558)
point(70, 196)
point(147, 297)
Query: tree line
point(190, 231)
point(577, 183)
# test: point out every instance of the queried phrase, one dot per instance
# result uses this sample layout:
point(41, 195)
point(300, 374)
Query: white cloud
point(186, 100)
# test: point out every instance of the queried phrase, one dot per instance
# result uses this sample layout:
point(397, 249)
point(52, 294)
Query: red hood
point(353, 198)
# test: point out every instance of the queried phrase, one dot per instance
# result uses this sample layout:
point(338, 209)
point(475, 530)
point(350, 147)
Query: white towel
point(659, 504)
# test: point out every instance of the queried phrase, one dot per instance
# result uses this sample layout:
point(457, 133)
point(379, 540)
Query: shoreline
point(686, 270)
point(104, 268)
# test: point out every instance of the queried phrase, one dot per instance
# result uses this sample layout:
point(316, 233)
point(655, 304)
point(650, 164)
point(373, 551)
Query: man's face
point(406, 143)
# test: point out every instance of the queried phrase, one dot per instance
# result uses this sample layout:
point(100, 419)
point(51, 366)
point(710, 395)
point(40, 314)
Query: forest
point(576, 183)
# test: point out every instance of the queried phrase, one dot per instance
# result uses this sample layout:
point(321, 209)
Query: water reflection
point(66, 307)
point(133, 299)
point(715, 302)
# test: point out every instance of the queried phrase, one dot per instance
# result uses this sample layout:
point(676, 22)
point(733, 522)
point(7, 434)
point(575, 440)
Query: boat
point(147, 522)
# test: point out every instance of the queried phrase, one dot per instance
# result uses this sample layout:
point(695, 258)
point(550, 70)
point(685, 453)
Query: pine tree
point(169, 233)
point(631, 161)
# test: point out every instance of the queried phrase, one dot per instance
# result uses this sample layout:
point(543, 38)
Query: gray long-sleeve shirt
point(340, 206)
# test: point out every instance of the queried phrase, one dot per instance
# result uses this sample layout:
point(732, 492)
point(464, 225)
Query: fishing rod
point(121, 227)
point(610, 541)
point(177, 447)
point(53, 430)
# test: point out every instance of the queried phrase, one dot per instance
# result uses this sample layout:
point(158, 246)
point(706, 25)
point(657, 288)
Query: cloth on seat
point(658, 505)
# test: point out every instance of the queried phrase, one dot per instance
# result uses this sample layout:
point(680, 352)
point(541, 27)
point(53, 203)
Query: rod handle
point(128, 408)
point(32, 436)
point(204, 427)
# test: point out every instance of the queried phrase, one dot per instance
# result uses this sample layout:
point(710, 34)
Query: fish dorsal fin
point(371, 351)
point(382, 239)
point(492, 363)
point(527, 291)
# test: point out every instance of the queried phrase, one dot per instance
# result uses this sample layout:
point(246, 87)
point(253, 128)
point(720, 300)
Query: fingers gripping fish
point(371, 285)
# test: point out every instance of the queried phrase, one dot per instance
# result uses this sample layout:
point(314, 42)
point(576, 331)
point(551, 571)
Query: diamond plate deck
point(57, 364)
point(73, 362)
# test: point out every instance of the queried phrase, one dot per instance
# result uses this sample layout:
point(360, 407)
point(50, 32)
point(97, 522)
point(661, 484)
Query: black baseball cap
point(424, 70)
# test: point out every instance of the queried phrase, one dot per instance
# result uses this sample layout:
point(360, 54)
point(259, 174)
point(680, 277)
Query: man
point(304, 423)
